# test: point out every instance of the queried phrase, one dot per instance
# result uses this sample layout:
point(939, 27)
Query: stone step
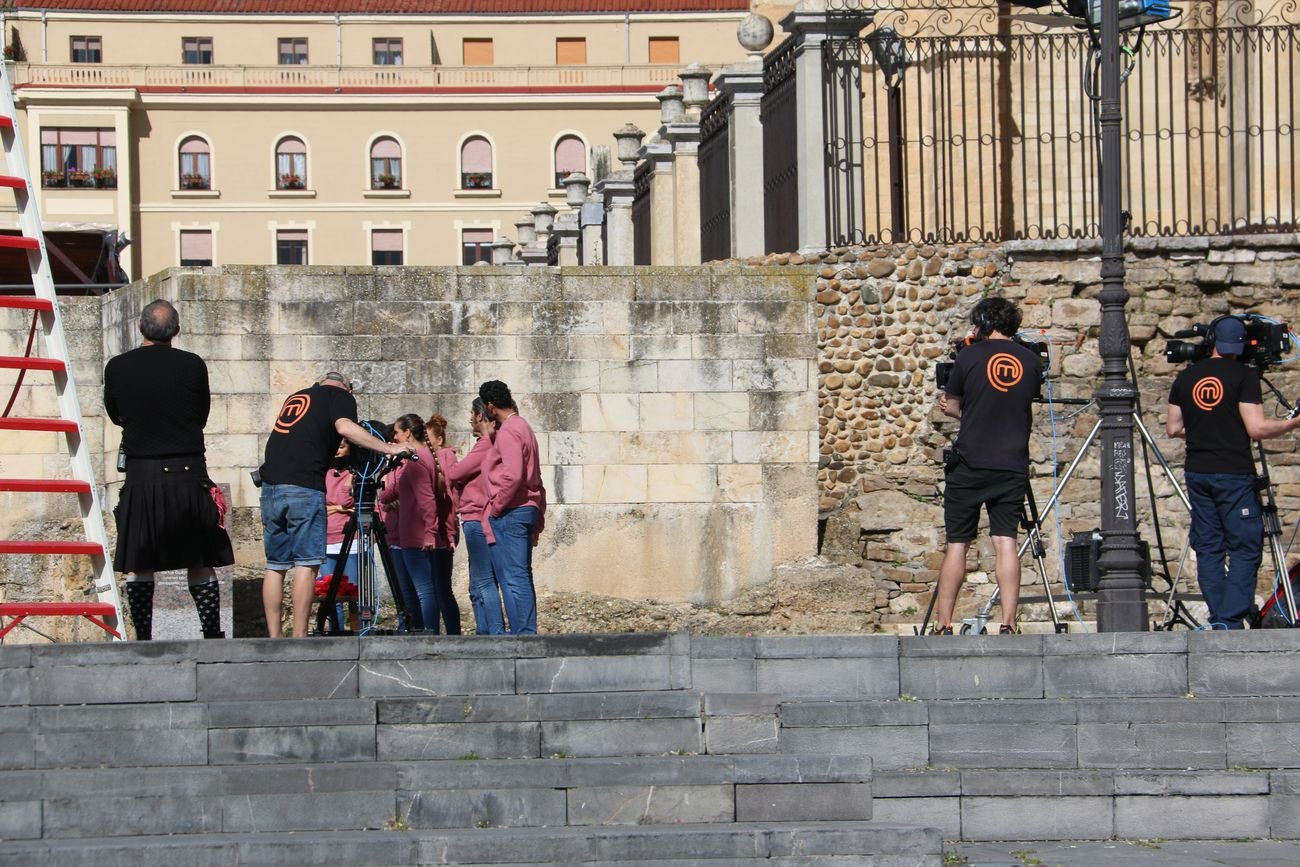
point(992, 804)
point(1147, 733)
point(796, 843)
point(443, 794)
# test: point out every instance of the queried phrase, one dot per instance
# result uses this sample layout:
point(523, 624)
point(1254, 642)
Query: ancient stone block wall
point(675, 408)
point(885, 315)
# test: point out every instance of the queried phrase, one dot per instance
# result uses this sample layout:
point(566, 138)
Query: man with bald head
point(170, 514)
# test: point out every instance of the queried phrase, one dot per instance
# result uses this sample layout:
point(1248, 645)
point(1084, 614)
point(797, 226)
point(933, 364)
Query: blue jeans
point(410, 599)
point(512, 560)
point(420, 567)
point(448, 608)
point(483, 592)
point(1226, 525)
point(293, 526)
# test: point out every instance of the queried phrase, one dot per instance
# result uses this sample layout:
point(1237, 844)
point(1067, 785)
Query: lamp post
point(890, 54)
point(1121, 605)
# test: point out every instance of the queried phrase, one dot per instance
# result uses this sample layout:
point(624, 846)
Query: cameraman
point(299, 451)
point(991, 390)
point(1217, 405)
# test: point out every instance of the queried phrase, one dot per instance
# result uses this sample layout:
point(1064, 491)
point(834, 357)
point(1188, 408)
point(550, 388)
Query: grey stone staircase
point(548, 750)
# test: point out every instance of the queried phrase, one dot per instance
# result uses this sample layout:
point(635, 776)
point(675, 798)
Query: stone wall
point(886, 314)
point(674, 407)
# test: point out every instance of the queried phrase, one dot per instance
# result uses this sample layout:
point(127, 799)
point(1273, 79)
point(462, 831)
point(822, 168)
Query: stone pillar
point(810, 26)
point(543, 221)
point(685, 141)
point(503, 250)
point(663, 201)
point(618, 191)
point(566, 227)
point(744, 81)
point(525, 234)
point(591, 226)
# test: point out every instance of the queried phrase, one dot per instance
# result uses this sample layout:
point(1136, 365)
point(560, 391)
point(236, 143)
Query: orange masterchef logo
point(292, 412)
point(1004, 371)
point(1207, 393)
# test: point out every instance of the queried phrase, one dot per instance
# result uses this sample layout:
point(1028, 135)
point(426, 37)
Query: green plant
point(681, 753)
point(1153, 843)
point(397, 823)
point(470, 756)
point(1026, 856)
point(906, 697)
point(482, 823)
point(559, 755)
point(954, 859)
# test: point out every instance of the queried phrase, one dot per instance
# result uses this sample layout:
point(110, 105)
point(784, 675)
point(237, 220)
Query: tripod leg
point(328, 610)
point(386, 558)
point(1033, 524)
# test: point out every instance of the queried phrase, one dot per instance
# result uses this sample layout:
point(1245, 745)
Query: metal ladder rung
point(13, 182)
point(25, 362)
point(19, 242)
point(45, 486)
point(39, 546)
point(26, 302)
point(55, 425)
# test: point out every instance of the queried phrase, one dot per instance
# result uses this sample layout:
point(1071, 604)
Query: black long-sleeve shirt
point(159, 397)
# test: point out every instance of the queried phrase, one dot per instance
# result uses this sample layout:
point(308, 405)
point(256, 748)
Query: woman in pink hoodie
point(390, 511)
point(418, 519)
point(470, 487)
point(448, 527)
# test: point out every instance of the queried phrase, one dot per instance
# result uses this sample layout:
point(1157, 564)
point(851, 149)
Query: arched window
point(196, 164)
point(570, 157)
point(290, 164)
point(385, 164)
point(476, 164)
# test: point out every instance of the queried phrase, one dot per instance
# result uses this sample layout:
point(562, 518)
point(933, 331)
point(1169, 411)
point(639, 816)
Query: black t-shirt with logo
point(1208, 393)
point(303, 441)
point(996, 381)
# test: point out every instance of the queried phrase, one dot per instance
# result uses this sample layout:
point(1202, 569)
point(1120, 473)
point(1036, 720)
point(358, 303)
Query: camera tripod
point(364, 528)
point(1280, 608)
point(1033, 522)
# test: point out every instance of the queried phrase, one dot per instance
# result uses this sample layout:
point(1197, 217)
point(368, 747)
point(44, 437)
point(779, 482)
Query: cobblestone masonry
point(885, 315)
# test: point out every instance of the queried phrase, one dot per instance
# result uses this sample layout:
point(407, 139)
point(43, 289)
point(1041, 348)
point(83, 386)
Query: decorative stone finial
point(575, 189)
point(629, 145)
point(695, 85)
point(754, 34)
point(672, 107)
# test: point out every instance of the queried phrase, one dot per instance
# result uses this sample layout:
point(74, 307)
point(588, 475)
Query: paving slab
point(1147, 853)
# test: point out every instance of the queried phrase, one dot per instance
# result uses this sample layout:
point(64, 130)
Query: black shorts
point(999, 491)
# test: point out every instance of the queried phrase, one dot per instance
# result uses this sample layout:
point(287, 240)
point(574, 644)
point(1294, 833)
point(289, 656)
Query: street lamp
point(1121, 605)
point(890, 54)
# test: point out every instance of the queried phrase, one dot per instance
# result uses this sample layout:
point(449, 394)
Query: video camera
point(1267, 341)
point(943, 369)
point(368, 467)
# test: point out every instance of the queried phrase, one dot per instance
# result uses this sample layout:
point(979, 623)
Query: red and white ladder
point(106, 611)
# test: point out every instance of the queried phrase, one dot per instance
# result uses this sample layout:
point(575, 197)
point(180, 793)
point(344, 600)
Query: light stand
point(1121, 605)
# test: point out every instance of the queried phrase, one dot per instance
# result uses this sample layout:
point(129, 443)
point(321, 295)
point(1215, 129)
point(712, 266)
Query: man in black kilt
point(170, 514)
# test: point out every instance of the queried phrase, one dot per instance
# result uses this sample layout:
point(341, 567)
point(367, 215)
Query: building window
point(87, 49)
point(78, 158)
point(293, 52)
point(386, 247)
point(196, 50)
point(476, 52)
point(570, 157)
point(476, 164)
point(196, 248)
point(476, 246)
point(196, 164)
point(664, 49)
point(570, 51)
point(290, 164)
point(388, 52)
point(291, 247)
point(385, 164)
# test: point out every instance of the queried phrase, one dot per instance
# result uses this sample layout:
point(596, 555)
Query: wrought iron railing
point(998, 137)
point(779, 113)
point(715, 179)
point(642, 252)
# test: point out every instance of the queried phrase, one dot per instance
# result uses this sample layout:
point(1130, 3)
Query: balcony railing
point(235, 77)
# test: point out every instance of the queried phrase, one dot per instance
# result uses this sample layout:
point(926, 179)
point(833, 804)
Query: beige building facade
point(352, 138)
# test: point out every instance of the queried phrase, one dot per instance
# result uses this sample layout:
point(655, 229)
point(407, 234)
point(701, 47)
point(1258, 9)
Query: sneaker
point(941, 630)
point(1008, 629)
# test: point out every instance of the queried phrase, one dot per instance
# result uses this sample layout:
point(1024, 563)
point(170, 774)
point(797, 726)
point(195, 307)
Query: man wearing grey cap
point(1217, 405)
point(302, 444)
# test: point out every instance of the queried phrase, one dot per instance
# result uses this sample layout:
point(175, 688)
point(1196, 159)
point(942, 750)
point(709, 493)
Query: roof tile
point(407, 7)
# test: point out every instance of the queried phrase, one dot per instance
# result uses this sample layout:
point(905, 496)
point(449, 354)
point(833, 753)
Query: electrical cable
point(18, 382)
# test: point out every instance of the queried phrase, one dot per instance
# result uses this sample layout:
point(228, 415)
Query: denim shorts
point(293, 526)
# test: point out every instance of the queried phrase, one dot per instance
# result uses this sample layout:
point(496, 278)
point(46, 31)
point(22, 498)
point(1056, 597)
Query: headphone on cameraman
point(983, 320)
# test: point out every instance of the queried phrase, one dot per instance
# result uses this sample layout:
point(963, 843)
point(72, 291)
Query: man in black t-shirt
point(991, 389)
point(1217, 405)
point(303, 442)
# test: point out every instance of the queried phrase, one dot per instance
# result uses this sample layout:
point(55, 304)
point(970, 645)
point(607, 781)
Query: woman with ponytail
point(448, 526)
point(390, 512)
point(470, 485)
point(418, 516)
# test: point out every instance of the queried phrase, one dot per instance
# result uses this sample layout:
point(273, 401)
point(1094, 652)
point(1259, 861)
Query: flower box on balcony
point(80, 179)
point(476, 181)
point(106, 178)
point(194, 182)
point(387, 182)
point(292, 182)
point(53, 179)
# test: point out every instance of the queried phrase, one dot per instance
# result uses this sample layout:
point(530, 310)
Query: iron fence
point(715, 179)
point(995, 138)
point(641, 214)
point(779, 115)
